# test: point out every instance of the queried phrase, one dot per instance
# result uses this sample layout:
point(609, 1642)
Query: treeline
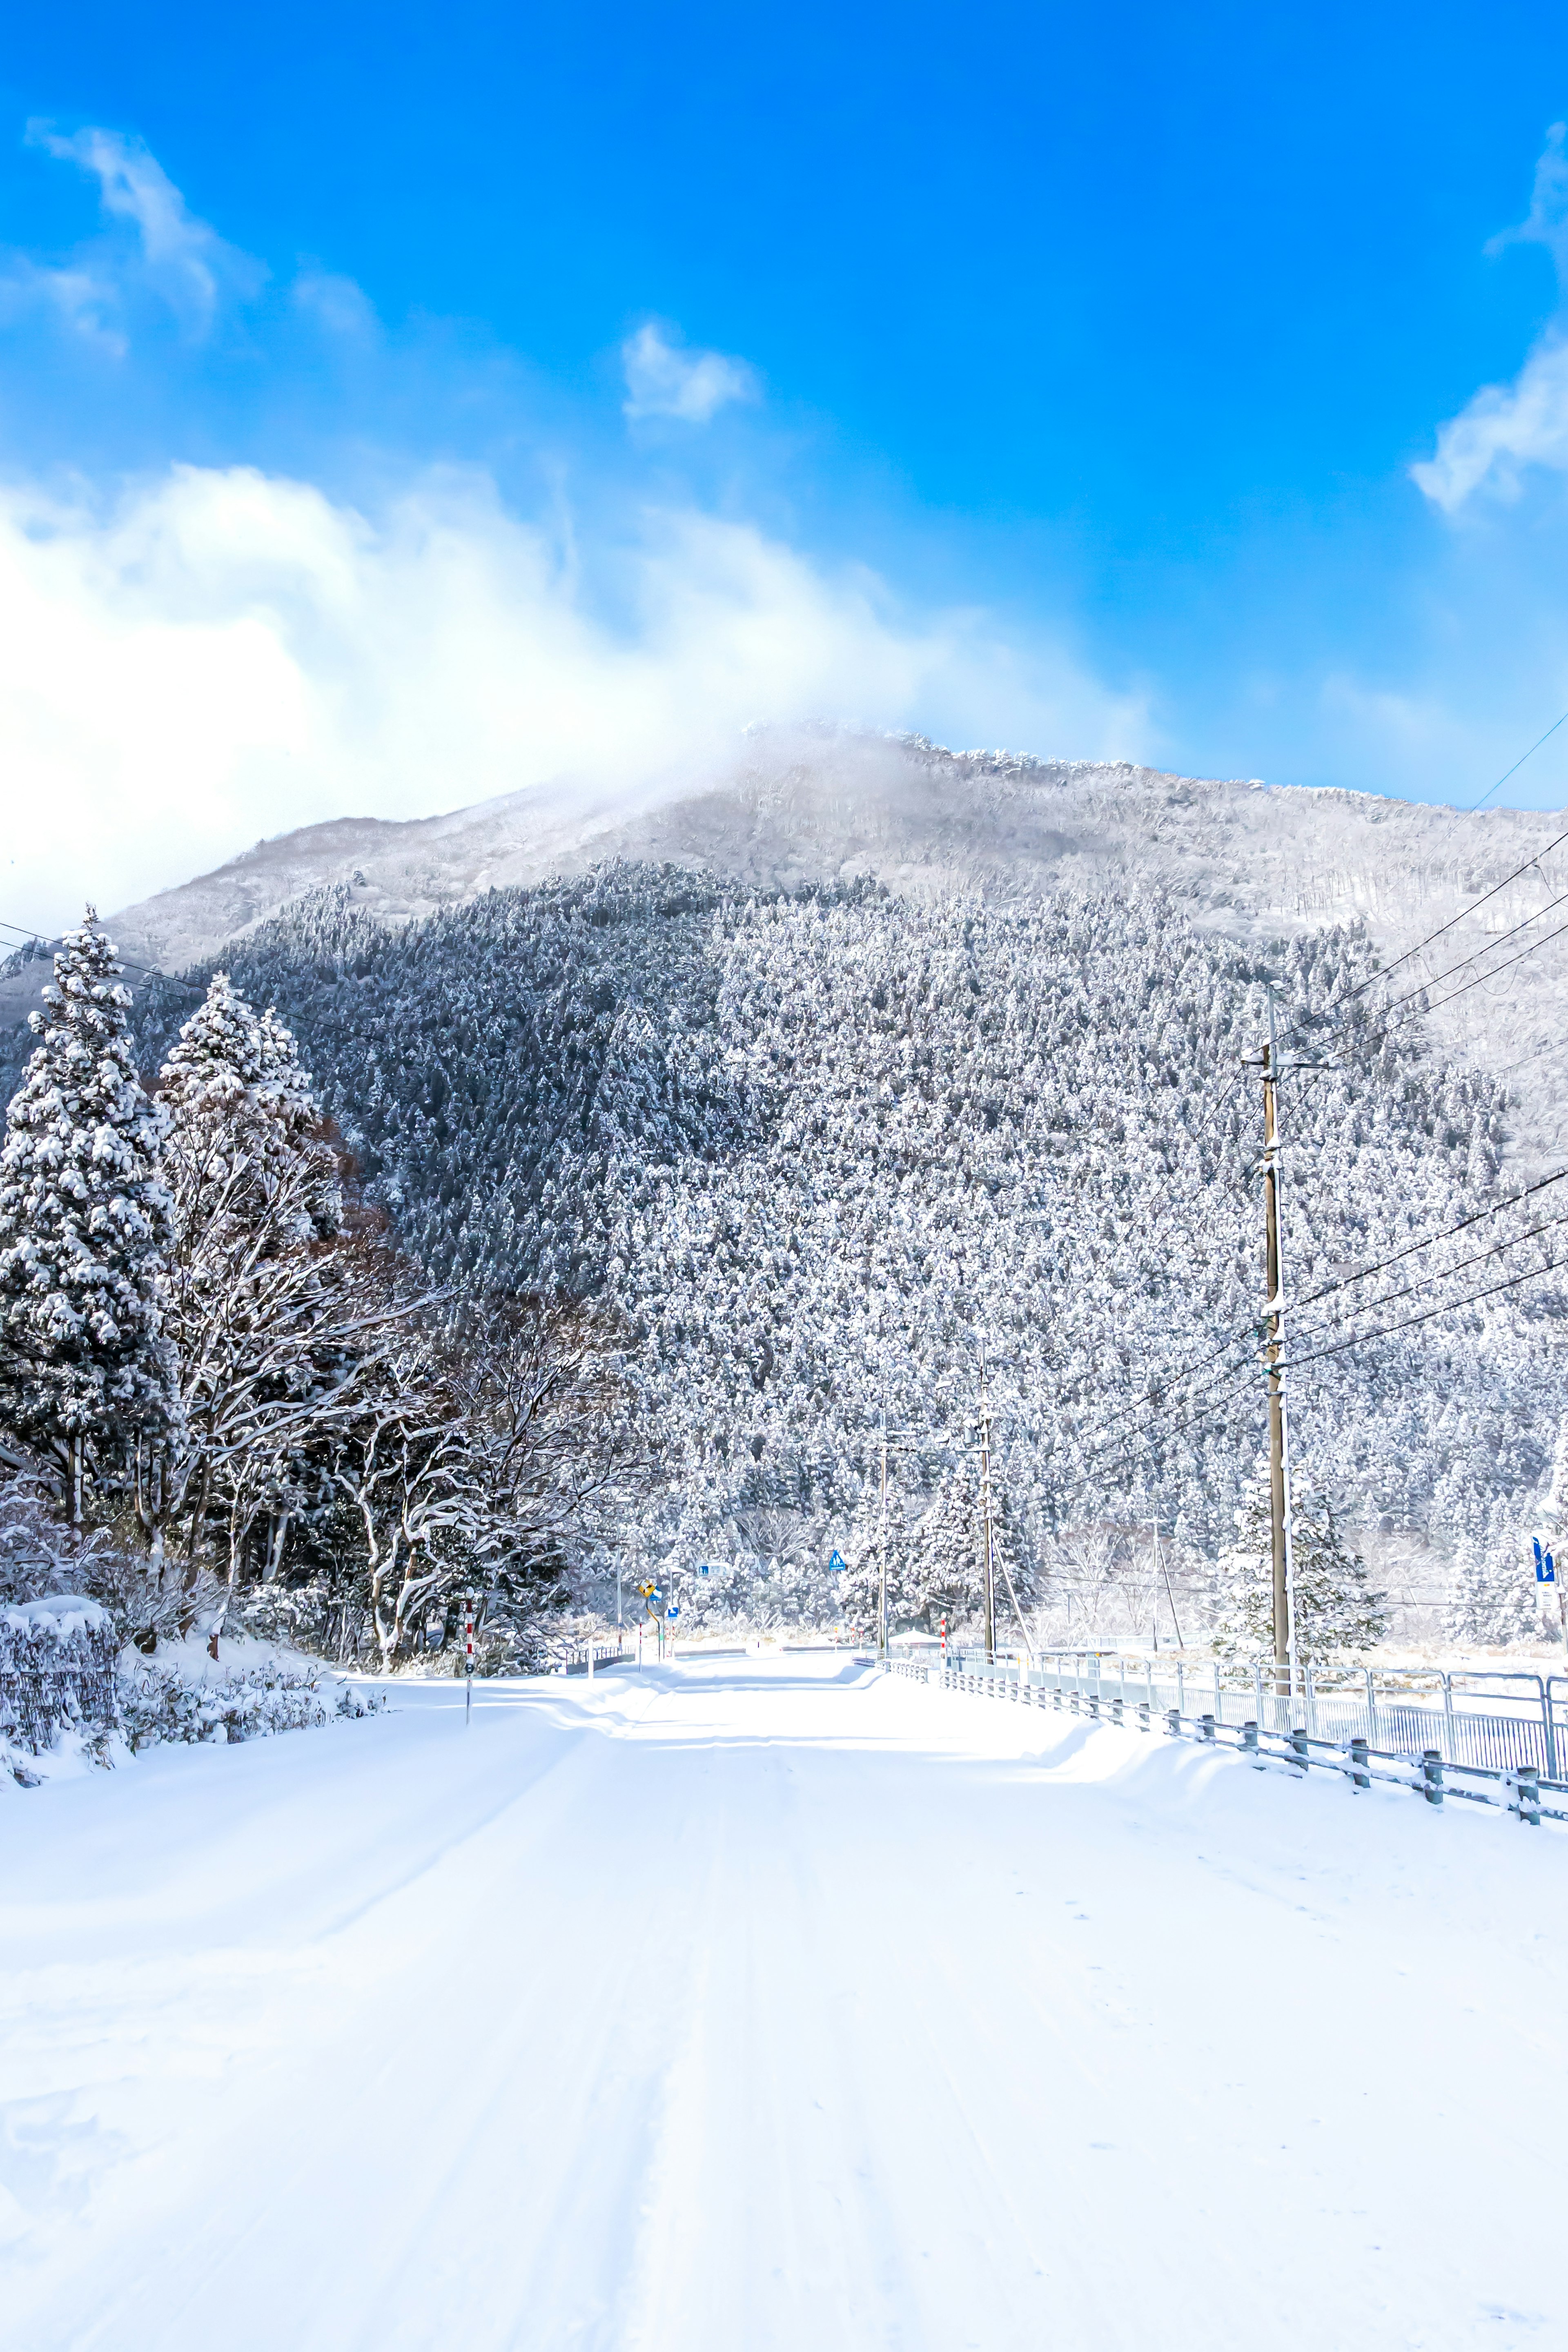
point(210, 1342)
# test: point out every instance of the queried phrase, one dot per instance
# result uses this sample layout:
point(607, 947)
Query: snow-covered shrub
point(94, 1648)
point(57, 1675)
point(180, 1693)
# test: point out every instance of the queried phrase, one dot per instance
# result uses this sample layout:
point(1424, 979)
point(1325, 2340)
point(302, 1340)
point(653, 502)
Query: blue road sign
point(1545, 1566)
point(674, 1609)
point(703, 1568)
point(837, 1563)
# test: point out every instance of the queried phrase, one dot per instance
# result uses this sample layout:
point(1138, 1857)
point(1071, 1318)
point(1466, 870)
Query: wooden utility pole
point(882, 1582)
point(1160, 1567)
point(989, 1579)
point(1273, 1353)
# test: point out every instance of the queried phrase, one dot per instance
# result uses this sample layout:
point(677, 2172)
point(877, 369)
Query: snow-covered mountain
point(916, 1056)
point(1247, 860)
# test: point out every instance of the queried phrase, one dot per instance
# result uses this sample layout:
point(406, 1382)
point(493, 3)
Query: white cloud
point(227, 655)
point(1503, 429)
point(337, 303)
point(87, 303)
point(1506, 427)
point(156, 244)
point(1547, 221)
point(664, 379)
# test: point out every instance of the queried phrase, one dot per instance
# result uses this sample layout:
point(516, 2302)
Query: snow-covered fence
point(1522, 1788)
point(57, 1671)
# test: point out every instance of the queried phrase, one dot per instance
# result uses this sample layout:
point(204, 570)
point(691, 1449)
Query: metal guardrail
point(574, 1657)
point(1522, 1788)
point(1496, 1720)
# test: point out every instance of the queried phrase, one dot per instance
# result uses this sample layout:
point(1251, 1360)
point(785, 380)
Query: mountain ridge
point(1252, 861)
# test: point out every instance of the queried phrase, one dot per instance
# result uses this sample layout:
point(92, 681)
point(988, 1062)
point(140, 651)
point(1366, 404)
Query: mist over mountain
point(1250, 862)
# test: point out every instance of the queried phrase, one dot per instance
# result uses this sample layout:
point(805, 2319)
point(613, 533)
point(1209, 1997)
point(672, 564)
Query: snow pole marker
point(467, 1663)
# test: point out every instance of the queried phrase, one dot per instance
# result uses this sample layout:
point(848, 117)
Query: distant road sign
point(674, 1610)
point(1545, 1566)
point(703, 1568)
point(837, 1563)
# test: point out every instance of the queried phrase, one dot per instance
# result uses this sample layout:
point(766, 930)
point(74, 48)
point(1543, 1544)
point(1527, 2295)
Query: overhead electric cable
point(1485, 948)
point(1477, 1217)
point(1455, 994)
point(1412, 1323)
point(1246, 1332)
point(1417, 1289)
point(148, 970)
point(1516, 767)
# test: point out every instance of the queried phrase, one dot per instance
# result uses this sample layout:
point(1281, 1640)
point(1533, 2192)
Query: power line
point(1516, 767)
point(1454, 993)
point(1411, 1323)
point(128, 963)
point(1242, 1332)
point(1477, 1217)
point(1474, 957)
point(1120, 1445)
point(1416, 1289)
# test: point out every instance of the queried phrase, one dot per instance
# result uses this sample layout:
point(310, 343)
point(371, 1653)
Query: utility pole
point(1162, 1567)
point(1273, 1353)
point(882, 1579)
point(990, 1584)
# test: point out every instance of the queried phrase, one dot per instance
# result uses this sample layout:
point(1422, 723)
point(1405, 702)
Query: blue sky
point(403, 404)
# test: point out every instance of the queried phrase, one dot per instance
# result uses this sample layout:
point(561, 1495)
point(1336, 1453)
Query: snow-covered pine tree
point(85, 1367)
point(251, 1300)
point(1492, 1596)
point(244, 1121)
point(1338, 1613)
point(1552, 1528)
point(942, 1564)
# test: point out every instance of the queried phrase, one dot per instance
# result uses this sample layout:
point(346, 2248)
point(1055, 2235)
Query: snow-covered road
point(754, 2005)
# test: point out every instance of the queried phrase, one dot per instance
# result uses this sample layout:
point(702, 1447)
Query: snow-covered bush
point(56, 1677)
point(95, 1651)
point(180, 1693)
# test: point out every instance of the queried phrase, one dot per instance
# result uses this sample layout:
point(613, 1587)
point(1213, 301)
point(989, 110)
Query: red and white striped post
point(468, 1661)
point(944, 1641)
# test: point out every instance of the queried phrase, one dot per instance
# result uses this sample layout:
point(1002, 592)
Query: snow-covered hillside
point(916, 1055)
point(764, 2007)
point(1251, 861)
point(820, 1153)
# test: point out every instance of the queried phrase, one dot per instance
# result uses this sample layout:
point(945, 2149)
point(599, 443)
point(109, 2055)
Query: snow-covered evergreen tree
point(261, 1320)
point(1549, 1525)
point(85, 1367)
point(1338, 1614)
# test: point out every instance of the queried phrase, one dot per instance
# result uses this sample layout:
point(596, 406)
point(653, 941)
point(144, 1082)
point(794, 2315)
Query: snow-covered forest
point(827, 1162)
